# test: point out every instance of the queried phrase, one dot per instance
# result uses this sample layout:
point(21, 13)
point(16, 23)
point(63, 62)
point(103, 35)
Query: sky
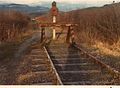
point(63, 5)
point(95, 2)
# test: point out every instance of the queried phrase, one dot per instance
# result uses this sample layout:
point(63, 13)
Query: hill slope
point(36, 10)
point(95, 23)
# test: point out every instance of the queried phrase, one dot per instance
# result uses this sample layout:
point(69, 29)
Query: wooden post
point(68, 34)
point(42, 34)
point(54, 34)
point(72, 36)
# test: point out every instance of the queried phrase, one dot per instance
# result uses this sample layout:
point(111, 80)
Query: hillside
point(32, 10)
point(99, 22)
point(99, 28)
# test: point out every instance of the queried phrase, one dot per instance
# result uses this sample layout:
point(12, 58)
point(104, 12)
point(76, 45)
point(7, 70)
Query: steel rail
point(110, 69)
point(59, 82)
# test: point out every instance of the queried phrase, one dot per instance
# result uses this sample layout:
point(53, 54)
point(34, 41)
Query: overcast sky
point(86, 3)
point(67, 1)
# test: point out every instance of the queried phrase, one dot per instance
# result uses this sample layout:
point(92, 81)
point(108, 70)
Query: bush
point(98, 24)
point(12, 24)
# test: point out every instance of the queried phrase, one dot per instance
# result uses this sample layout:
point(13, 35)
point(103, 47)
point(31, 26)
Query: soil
point(10, 65)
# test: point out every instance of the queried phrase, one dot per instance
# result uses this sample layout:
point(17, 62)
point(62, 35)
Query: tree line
point(12, 24)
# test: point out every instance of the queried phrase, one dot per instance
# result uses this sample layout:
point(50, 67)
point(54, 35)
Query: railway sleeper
point(39, 61)
point(36, 68)
point(88, 83)
point(92, 78)
point(67, 61)
point(75, 67)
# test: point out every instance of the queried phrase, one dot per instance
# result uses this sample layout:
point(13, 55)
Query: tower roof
point(53, 3)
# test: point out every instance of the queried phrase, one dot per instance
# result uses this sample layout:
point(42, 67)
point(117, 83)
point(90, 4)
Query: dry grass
point(12, 24)
point(105, 49)
point(100, 28)
point(23, 78)
point(25, 35)
point(8, 49)
point(109, 54)
point(9, 62)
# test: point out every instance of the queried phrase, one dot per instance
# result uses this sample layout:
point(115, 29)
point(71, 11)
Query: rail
point(70, 39)
point(115, 73)
point(58, 81)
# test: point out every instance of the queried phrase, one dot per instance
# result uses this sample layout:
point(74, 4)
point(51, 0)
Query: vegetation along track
point(76, 67)
point(41, 69)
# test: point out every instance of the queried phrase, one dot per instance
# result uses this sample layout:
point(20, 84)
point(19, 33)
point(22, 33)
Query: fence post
point(68, 34)
point(42, 34)
point(54, 33)
point(72, 35)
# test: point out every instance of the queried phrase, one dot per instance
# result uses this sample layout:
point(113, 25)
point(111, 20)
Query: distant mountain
point(69, 6)
point(76, 15)
point(62, 6)
point(25, 8)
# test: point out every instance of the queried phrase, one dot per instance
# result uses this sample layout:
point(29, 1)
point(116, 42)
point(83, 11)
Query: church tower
point(54, 12)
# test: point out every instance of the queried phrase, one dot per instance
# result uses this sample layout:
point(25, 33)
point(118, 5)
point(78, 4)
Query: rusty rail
point(114, 72)
point(58, 81)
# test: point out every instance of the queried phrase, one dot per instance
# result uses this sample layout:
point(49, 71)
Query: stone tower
point(54, 12)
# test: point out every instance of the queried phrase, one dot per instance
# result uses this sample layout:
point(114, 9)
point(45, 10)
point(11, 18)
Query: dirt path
point(8, 71)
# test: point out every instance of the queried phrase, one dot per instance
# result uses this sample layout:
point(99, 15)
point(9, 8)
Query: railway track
point(64, 64)
point(42, 71)
point(75, 67)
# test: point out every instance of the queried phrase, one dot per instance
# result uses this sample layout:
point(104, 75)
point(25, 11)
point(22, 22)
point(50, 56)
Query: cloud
point(20, 1)
point(80, 1)
point(59, 1)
